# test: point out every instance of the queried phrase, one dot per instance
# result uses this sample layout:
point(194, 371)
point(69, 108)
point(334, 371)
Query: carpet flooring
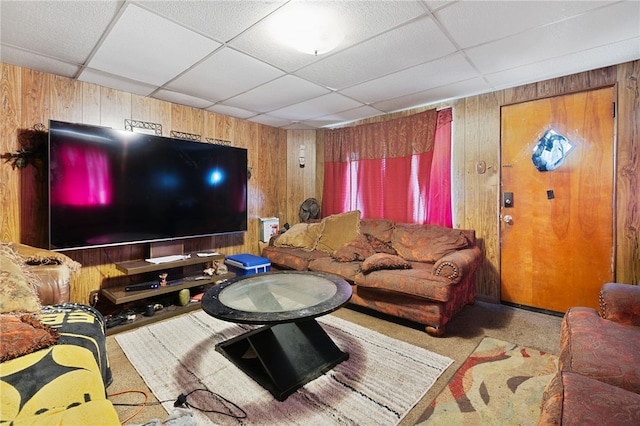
point(464, 333)
point(499, 384)
point(379, 383)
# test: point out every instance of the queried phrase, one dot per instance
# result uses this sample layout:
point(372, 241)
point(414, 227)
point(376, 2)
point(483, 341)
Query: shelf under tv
point(118, 295)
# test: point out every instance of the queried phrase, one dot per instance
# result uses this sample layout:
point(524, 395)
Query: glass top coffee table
point(291, 349)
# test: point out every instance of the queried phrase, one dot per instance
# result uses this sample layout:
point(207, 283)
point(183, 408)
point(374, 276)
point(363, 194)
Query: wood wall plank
point(628, 175)
point(301, 181)
point(115, 107)
point(91, 104)
point(33, 192)
point(10, 125)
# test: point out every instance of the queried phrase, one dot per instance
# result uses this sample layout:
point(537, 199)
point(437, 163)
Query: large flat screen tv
point(111, 187)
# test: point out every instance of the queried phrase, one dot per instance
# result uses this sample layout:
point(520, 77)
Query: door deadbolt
point(507, 199)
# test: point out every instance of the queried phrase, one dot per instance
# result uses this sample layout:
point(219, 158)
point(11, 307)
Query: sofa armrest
point(620, 303)
point(456, 265)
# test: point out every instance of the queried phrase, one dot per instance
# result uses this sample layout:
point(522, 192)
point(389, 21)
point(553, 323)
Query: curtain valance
point(400, 137)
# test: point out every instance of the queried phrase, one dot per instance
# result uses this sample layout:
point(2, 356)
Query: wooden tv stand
point(118, 295)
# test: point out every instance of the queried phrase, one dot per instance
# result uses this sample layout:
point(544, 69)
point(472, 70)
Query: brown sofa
point(423, 273)
point(598, 379)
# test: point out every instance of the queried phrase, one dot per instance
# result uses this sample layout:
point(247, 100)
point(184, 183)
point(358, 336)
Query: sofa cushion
point(23, 335)
point(601, 349)
point(380, 246)
point(380, 261)
point(417, 281)
point(382, 229)
point(328, 265)
point(300, 235)
point(16, 294)
point(356, 249)
point(338, 230)
point(426, 243)
point(291, 258)
point(58, 385)
point(572, 399)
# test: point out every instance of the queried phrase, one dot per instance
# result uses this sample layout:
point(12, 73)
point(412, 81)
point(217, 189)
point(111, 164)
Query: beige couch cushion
point(338, 230)
point(301, 235)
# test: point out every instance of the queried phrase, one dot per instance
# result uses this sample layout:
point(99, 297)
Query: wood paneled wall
point(29, 97)
point(476, 137)
point(278, 185)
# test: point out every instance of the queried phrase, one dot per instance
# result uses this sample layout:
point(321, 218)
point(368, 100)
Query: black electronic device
point(141, 286)
point(110, 187)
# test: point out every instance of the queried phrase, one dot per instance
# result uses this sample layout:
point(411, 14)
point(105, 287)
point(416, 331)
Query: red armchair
point(598, 379)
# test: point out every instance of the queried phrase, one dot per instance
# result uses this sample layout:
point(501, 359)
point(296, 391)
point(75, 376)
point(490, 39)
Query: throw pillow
point(356, 249)
point(300, 235)
point(23, 335)
point(380, 261)
point(426, 243)
point(338, 230)
point(381, 229)
point(16, 294)
point(380, 246)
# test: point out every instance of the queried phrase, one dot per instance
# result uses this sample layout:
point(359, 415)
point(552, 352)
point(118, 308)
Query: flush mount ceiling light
point(308, 28)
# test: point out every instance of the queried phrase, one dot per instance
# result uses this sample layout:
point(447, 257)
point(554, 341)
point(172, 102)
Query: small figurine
point(221, 268)
point(163, 278)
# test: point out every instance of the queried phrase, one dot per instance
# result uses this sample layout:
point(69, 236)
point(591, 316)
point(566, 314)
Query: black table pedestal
point(283, 357)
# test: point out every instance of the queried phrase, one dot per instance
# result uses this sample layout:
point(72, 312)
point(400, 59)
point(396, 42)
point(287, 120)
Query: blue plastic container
point(247, 264)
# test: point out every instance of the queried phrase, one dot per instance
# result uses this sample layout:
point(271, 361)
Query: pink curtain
point(393, 169)
point(439, 210)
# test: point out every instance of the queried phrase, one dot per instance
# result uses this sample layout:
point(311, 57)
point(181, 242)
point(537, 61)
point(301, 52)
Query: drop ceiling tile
point(585, 31)
point(455, 90)
point(472, 23)
point(411, 44)
point(269, 120)
point(224, 74)
point(359, 20)
point(231, 111)
point(417, 79)
point(34, 61)
point(221, 20)
point(66, 30)
point(616, 53)
point(277, 94)
point(116, 82)
point(145, 47)
point(181, 98)
point(317, 107)
point(299, 126)
point(343, 117)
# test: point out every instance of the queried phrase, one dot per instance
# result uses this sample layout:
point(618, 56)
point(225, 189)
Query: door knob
point(508, 219)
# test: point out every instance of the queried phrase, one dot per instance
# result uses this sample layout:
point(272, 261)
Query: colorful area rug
point(379, 384)
point(499, 384)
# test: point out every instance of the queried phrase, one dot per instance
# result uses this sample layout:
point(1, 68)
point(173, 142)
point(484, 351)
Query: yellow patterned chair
point(53, 368)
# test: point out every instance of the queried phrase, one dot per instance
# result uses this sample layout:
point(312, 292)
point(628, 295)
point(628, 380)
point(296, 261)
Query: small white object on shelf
point(206, 254)
point(165, 259)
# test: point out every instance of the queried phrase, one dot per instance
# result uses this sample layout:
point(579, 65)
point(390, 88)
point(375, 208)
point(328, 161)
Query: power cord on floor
point(141, 405)
point(182, 401)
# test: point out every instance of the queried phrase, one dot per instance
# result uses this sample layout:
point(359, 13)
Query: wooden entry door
point(556, 242)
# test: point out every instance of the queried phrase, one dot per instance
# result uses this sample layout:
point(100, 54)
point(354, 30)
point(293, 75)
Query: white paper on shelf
point(165, 259)
point(215, 253)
